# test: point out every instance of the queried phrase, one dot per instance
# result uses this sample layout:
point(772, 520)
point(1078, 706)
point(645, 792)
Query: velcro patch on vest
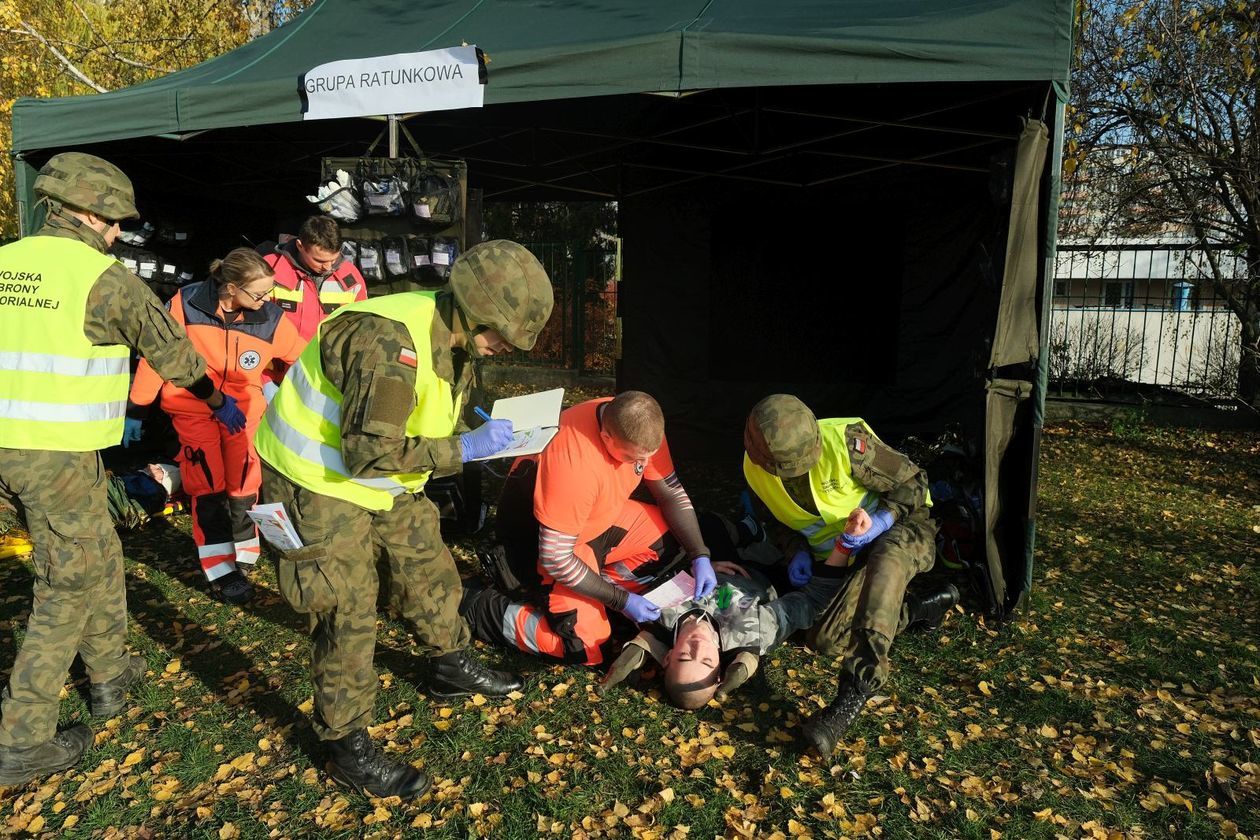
point(859, 446)
point(407, 356)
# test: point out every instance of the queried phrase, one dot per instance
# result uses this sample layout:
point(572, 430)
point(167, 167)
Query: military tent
point(850, 200)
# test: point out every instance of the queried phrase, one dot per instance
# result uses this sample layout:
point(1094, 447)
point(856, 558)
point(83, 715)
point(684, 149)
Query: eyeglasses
point(258, 298)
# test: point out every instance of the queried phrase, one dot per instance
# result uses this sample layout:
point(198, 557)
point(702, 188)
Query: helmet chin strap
point(469, 345)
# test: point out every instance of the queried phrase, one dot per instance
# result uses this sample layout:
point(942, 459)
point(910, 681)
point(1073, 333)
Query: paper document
point(535, 421)
point(678, 589)
point(274, 523)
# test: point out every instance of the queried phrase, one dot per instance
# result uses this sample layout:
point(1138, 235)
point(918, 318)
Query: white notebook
point(535, 421)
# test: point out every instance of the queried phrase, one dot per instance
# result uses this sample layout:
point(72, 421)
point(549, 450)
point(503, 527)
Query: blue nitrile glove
point(881, 521)
point(230, 415)
point(640, 610)
point(702, 571)
point(800, 568)
point(133, 429)
point(486, 439)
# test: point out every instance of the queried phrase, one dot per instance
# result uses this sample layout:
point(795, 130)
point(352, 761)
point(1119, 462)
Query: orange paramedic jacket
point(236, 354)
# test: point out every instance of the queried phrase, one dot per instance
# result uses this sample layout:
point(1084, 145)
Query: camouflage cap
point(782, 437)
point(87, 182)
point(502, 285)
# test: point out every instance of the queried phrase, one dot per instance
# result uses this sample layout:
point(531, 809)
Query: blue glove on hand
point(702, 571)
point(230, 415)
point(133, 429)
point(640, 610)
point(800, 568)
point(881, 521)
point(486, 439)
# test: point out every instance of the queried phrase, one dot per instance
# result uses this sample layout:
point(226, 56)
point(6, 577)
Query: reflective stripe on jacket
point(58, 391)
point(300, 435)
point(308, 299)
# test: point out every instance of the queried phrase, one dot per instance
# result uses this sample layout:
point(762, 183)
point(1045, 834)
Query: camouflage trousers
point(868, 612)
point(333, 578)
point(80, 599)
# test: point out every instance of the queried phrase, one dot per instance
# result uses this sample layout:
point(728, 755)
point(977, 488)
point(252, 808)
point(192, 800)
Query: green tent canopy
point(551, 50)
point(850, 200)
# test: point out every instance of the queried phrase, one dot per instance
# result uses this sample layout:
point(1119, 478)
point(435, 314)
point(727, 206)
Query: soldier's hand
point(859, 522)
point(875, 526)
point(629, 661)
point(486, 439)
point(133, 430)
point(737, 673)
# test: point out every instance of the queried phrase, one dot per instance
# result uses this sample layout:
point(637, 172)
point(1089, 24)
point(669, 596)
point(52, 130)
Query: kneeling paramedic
point(65, 343)
point(572, 523)
point(836, 494)
point(364, 418)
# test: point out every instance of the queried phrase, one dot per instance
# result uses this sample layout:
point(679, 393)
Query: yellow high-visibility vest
point(58, 391)
point(835, 491)
point(300, 435)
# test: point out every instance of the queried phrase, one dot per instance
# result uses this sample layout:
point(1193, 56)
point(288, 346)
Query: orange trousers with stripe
point(561, 624)
point(221, 475)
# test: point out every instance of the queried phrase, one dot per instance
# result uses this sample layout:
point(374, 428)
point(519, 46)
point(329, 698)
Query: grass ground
point(1124, 702)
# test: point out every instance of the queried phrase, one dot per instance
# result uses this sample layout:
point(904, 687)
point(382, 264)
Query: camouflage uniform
point(869, 610)
point(334, 577)
point(79, 596)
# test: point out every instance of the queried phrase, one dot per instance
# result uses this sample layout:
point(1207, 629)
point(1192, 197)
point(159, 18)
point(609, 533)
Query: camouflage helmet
point(502, 285)
point(87, 182)
point(782, 437)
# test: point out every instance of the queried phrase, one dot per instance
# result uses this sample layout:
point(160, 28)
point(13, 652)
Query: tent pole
point(393, 136)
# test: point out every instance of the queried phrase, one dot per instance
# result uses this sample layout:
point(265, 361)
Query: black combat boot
point(109, 697)
point(824, 728)
point(59, 753)
point(360, 764)
point(926, 611)
point(456, 674)
point(233, 589)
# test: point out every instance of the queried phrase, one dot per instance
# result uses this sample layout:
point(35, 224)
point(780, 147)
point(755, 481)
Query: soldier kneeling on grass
point(836, 495)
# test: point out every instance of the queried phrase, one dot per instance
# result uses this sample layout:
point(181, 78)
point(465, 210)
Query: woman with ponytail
point(239, 332)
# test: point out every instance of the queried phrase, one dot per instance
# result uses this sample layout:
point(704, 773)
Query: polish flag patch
point(859, 445)
point(407, 356)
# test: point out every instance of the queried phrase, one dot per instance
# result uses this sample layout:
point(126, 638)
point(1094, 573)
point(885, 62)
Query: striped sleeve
point(557, 558)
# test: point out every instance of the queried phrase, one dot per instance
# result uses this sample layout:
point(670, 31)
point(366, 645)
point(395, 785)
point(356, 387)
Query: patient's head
point(692, 669)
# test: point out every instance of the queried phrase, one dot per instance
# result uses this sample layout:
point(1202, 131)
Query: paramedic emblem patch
point(250, 360)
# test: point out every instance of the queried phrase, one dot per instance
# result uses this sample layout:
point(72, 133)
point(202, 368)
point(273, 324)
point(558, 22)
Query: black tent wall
point(869, 300)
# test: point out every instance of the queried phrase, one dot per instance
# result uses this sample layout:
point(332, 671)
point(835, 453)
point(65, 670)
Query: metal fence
point(1129, 317)
point(584, 331)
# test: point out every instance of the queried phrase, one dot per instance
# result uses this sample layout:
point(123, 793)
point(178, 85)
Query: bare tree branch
point(69, 65)
point(110, 47)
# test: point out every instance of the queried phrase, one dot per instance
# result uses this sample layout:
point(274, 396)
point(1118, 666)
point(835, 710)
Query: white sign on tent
point(435, 80)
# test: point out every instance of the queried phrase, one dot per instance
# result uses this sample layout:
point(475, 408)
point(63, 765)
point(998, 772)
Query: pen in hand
point(481, 412)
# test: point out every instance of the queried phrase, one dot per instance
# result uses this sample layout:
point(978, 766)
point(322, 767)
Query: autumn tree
point(69, 47)
point(1164, 137)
